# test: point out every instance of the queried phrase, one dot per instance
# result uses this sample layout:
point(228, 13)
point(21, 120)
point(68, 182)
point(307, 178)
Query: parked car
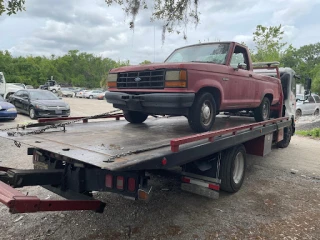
point(39, 103)
point(309, 106)
point(80, 93)
point(92, 94)
point(7, 110)
point(102, 95)
point(197, 82)
point(66, 92)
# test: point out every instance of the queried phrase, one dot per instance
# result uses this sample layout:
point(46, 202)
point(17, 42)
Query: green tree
point(145, 62)
point(268, 42)
point(11, 6)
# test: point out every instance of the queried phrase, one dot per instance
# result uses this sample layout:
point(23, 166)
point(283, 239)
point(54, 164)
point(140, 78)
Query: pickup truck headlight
point(176, 78)
point(112, 80)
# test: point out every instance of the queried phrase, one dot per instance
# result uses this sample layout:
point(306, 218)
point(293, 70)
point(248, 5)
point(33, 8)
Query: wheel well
point(270, 97)
point(215, 93)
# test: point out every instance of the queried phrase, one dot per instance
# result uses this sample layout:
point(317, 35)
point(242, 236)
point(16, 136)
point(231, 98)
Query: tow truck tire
point(286, 138)
point(202, 114)
point(135, 117)
point(262, 112)
point(232, 168)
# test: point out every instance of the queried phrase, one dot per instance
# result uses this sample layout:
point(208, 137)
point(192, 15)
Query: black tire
point(54, 91)
point(262, 112)
point(32, 115)
point(298, 113)
point(196, 117)
point(229, 183)
point(90, 96)
point(286, 138)
point(316, 112)
point(135, 117)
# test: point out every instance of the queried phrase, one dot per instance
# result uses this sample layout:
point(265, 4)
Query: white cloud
point(93, 27)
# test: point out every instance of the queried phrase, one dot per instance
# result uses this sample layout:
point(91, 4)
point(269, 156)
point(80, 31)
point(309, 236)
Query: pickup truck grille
point(144, 79)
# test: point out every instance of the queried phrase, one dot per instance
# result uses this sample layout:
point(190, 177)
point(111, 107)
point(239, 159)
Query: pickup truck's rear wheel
point(232, 168)
point(202, 113)
point(135, 117)
point(262, 112)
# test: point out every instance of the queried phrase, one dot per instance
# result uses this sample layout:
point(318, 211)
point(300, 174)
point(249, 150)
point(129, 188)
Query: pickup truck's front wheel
point(135, 117)
point(202, 113)
point(262, 112)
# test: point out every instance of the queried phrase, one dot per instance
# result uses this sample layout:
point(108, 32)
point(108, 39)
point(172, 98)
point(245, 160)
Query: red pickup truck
point(197, 82)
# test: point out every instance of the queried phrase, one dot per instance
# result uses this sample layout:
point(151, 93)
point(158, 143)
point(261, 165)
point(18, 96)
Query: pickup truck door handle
point(250, 75)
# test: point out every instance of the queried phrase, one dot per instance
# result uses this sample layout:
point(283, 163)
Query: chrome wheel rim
point(32, 113)
point(206, 113)
point(265, 110)
point(238, 169)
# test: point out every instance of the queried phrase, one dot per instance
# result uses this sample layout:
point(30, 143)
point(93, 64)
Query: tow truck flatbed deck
point(104, 144)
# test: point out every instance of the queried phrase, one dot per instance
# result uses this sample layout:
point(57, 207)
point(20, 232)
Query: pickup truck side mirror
point(308, 84)
point(240, 66)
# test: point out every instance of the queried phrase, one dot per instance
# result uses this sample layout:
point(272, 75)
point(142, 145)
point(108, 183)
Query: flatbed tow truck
point(74, 159)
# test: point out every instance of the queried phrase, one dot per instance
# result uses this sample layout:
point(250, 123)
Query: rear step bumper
point(200, 185)
point(18, 202)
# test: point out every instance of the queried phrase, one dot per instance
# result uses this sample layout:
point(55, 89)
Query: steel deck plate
point(96, 142)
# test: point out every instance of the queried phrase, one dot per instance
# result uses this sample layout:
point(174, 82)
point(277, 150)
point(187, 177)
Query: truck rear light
point(120, 182)
point(178, 84)
point(109, 179)
point(131, 184)
point(186, 180)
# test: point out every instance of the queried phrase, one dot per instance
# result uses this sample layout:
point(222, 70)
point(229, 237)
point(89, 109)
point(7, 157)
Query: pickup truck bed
point(99, 143)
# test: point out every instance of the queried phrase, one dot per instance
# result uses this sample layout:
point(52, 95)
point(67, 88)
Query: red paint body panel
point(243, 89)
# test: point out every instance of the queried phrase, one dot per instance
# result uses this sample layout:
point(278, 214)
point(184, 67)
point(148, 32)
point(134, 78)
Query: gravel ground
point(280, 199)
point(308, 122)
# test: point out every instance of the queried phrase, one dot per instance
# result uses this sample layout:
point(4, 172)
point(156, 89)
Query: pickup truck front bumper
point(152, 103)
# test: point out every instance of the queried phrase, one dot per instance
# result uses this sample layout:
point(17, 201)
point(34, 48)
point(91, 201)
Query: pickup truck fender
point(269, 92)
point(208, 84)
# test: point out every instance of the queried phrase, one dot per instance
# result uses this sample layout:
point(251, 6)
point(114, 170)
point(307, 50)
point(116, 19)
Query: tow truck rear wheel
point(135, 117)
point(202, 113)
point(262, 112)
point(232, 168)
point(286, 138)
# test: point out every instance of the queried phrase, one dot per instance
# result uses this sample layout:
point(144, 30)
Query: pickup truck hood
point(190, 65)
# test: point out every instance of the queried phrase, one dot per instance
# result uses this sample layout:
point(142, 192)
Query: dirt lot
point(272, 204)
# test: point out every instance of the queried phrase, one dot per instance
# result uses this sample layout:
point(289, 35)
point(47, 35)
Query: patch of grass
point(310, 133)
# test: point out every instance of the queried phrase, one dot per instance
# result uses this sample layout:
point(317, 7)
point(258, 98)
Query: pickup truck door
point(243, 82)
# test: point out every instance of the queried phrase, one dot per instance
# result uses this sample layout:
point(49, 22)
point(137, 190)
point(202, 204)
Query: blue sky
point(54, 27)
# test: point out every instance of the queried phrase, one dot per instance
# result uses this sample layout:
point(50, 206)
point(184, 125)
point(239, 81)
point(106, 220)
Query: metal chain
point(111, 159)
point(63, 124)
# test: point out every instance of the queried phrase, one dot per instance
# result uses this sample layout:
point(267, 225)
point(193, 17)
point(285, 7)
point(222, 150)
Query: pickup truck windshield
point(212, 53)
